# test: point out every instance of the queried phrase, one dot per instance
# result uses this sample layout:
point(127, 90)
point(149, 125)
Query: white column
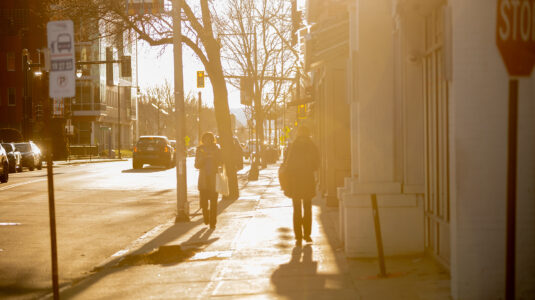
point(377, 112)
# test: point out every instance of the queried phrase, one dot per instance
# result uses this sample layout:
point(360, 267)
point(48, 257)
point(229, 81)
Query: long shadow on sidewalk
point(167, 255)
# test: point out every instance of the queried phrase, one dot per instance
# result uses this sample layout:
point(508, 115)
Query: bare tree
point(161, 97)
point(156, 29)
point(255, 37)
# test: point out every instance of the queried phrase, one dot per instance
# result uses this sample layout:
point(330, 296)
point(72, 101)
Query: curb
point(79, 162)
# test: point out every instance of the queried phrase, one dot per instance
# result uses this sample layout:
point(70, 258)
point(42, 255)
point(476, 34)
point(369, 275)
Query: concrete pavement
point(251, 255)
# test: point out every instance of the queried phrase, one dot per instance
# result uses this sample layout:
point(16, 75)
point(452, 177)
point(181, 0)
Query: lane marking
point(21, 183)
point(9, 224)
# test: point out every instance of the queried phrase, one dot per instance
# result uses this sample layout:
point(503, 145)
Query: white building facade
point(428, 94)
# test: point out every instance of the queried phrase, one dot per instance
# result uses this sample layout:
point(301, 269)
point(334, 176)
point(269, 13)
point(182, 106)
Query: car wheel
point(137, 164)
point(19, 169)
point(12, 168)
point(31, 166)
point(40, 165)
point(5, 176)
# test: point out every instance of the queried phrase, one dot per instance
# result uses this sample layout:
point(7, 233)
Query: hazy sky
point(156, 65)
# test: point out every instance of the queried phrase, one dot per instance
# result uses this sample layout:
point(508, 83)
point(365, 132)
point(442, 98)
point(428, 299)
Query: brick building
point(22, 94)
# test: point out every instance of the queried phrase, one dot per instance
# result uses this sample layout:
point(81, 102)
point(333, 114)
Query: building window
point(10, 58)
point(11, 96)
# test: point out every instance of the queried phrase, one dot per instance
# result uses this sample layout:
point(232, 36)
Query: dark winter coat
point(302, 159)
point(207, 160)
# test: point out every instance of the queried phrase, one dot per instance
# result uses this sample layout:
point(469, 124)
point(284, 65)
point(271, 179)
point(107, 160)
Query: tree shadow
point(155, 251)
point(169, 255)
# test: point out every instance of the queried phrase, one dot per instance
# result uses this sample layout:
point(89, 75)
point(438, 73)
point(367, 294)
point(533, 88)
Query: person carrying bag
point(208, 160)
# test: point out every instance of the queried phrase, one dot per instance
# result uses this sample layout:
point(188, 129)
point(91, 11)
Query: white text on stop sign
point(518, 20)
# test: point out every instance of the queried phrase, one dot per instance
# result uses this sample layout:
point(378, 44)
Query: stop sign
point(515, 35)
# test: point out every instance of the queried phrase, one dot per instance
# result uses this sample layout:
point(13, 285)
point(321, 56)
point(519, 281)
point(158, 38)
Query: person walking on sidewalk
point(208, 160)
point(302, 160)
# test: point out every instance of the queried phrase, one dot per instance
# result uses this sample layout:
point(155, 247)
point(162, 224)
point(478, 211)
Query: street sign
point(515, 38)
point(60, 37)
point(57, 110)
point(187, 140)
point(515, 35)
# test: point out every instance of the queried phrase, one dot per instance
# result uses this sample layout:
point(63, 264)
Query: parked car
point(4, 165)
point(31, 155)
point(14, 157)
point(153, 150)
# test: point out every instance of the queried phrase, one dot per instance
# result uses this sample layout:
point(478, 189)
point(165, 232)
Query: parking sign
point(60, 36)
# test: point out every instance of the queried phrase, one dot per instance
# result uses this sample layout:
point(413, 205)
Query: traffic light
point(126, 66)
point(200, 79)
point(302, 111)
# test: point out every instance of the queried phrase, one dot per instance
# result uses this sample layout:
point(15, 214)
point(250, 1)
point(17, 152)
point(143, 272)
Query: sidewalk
point(251, 255)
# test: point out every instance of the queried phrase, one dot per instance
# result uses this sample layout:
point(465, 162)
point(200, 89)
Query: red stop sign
point(515, 35)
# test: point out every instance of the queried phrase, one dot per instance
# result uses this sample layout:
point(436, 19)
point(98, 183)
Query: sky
point(156, 65)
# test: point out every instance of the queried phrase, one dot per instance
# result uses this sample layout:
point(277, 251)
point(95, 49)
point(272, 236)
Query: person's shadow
point(298, 279)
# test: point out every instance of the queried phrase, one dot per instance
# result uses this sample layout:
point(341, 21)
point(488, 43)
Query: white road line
point(21, 183)
point(9, 224)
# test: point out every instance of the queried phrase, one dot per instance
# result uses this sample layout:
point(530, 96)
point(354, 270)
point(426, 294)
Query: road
point(100, 207)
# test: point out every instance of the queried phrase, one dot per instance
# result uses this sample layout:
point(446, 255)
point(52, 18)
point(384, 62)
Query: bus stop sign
point(515, 35)
point(60, 38)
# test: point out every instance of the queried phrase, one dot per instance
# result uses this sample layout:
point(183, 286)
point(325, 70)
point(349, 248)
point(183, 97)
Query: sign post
point(515, 39)
point(60, 39)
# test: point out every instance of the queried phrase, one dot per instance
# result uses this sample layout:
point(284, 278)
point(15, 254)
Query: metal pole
point(181, 172)
point(119, 118)
point(510, 253)
point(158, 118)
point(52, 208)
point(136, 137)
point(24, 93)
point(378, 237)
point(199, 118)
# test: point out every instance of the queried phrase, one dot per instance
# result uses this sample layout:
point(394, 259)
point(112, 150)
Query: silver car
point(4, 165)
point(14, 157)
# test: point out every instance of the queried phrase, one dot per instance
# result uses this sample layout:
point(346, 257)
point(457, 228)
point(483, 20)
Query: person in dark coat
point(302, 159)
point(208, 160)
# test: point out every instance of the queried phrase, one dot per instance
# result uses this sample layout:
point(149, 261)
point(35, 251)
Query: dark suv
point(153, 150)
point(31, 155)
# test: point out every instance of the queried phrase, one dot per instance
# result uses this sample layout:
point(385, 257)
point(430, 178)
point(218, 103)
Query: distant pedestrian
point(302, 159)
point(208, 160)
point(237, 153)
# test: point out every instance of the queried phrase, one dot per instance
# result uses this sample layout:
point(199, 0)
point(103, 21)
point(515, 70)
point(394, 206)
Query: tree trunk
point(259, 118)
point(222, 114)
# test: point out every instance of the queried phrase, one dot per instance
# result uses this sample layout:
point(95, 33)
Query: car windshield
point(151, 142)
point(23, 147)
point(8, 147)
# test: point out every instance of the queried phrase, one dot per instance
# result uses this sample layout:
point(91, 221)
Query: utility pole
point(119, 118)
point(199, 118)
point(181, 172)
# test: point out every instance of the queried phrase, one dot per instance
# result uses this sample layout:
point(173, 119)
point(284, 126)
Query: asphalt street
point(100, 207)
